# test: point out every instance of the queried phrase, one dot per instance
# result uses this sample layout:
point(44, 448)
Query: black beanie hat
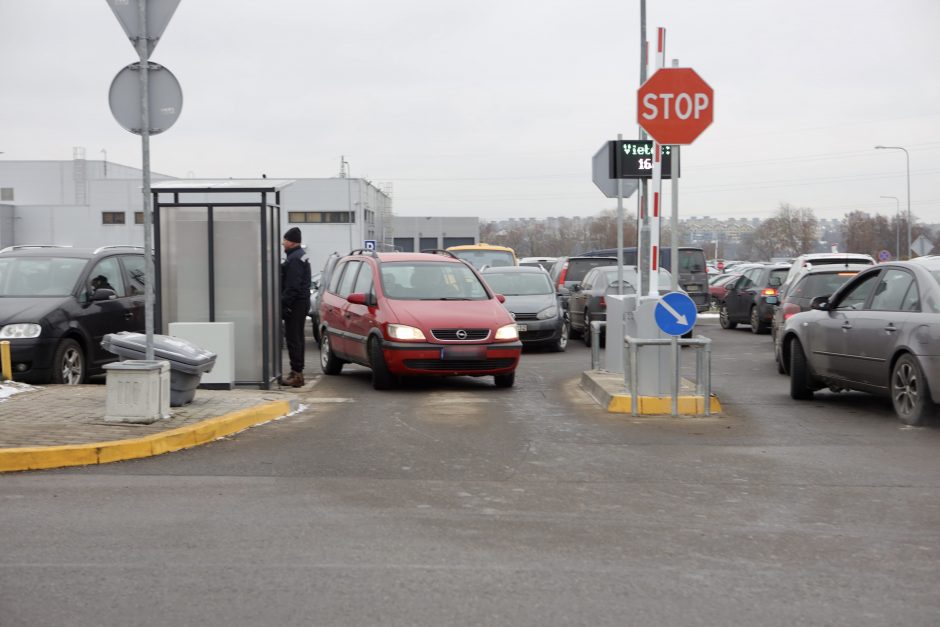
point(293, 235)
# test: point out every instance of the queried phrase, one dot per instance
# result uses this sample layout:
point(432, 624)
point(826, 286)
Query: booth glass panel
point(184, 277)
point(236, 232)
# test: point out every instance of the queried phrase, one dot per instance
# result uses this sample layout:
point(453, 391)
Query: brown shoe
point(294, 380)
point(298, 380)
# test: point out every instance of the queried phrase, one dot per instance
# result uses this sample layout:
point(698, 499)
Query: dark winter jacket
point(295, 280)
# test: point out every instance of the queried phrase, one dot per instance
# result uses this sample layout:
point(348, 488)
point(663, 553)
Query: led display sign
point(633, 159)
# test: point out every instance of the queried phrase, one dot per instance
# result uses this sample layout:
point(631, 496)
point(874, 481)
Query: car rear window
point(431, 281)
point(39, 276)
point(691, 261)
point(578, 268)
point(780, 273)
point(820, 284)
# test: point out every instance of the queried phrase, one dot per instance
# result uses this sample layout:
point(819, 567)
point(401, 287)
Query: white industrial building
point(91, 203)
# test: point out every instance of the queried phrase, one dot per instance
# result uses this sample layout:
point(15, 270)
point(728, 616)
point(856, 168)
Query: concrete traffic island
point(64, 425)
point(609, 391)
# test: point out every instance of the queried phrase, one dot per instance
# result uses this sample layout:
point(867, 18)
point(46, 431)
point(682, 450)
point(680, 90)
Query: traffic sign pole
point(144, 53)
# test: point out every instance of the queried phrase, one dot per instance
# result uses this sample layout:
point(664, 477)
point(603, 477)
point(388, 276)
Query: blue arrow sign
point(675, 313)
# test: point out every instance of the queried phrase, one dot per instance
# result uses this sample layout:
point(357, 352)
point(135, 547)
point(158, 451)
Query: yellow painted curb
point(659, 405)
point(36, 458)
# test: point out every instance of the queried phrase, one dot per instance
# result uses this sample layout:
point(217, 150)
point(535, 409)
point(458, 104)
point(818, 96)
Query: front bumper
point(539, 331)
point(32, 359)
point(426, 359)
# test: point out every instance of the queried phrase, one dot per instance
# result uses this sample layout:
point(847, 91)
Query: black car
point(57, 302)
point(751, 299)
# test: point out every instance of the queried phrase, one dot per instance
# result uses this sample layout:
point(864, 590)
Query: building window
point(112, 217)
point(6, 193)
point(321, 217)
point(138, 217)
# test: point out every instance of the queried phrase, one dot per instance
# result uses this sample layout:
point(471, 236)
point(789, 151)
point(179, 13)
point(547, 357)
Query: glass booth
point(217, 252)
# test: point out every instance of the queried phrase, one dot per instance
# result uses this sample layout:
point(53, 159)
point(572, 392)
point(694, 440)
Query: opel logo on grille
point(461, 334)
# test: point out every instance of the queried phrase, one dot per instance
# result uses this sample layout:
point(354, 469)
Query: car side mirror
point(820, 303)
point(576, 288)
point(101, 294)
point(358, 298)
point(501, 298)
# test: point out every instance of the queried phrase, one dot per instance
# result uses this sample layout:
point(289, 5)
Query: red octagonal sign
point(675, 105)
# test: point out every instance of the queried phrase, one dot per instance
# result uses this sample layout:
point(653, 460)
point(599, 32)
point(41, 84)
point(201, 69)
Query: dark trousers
point(294, 335)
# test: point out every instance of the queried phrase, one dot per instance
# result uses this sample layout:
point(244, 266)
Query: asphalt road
point(453, 502)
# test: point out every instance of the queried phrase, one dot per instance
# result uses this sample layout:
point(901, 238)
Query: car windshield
point(39, 276)
point(488, 258)
point(430, 280)
point(519, 283)
point(820, 284)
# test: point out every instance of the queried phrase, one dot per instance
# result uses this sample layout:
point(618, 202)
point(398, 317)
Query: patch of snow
point(9, 388)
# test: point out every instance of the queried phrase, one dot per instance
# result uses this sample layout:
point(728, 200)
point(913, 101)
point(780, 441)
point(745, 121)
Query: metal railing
point(703, 372)
point(703, 360)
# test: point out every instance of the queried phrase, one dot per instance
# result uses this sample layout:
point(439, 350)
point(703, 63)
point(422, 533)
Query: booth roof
point(222, 185)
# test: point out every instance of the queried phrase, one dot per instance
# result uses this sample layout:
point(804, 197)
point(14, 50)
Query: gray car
point(588, 300)
point(879, 333)
point(538, 309)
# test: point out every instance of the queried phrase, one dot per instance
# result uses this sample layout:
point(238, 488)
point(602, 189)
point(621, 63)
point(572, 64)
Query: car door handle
point(846, 326)
point(891, 328)
point(128, 315)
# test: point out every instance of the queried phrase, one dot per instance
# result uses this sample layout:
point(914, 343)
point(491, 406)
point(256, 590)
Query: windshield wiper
point(447, 298)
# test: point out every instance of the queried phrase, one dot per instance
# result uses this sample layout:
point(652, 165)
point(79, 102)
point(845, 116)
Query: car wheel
point(800, 388)
point(724, 320)
point(586, 334)
point(561, 343)
point(757, 327)
point(68, 365)
point(505, 380)
point(909, 392)
point(329, 362)
point(382, 379)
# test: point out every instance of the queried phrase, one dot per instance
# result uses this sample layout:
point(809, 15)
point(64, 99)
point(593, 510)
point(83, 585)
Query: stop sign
point(675, 105)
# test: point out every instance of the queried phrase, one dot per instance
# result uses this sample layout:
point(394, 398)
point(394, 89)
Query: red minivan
point(415, 314)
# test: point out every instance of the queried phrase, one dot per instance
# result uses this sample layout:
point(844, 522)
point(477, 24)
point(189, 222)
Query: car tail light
point(789, 309)
point(563, 274)
point(603, 302)
point(770, 291)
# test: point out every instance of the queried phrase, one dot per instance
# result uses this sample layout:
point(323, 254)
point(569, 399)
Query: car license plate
point(691, 288)
point(458, 353)
point(521, 328)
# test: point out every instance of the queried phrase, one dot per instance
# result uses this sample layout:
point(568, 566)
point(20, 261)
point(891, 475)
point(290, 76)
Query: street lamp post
point(897, 225)
point(907, 158)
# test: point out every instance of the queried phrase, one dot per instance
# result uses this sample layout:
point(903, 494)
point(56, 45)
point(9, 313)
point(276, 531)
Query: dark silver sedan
point(879, 333)
point(540, 314)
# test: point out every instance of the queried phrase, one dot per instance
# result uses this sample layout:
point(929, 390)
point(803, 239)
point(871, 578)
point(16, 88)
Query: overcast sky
point(494, 108)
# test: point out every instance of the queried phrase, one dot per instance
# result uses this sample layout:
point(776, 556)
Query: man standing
point(295, 303)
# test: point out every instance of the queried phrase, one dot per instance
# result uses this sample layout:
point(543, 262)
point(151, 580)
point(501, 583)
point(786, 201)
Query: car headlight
point(404, 332)
point(508, 332)
point(548, 312)
point(24, 330)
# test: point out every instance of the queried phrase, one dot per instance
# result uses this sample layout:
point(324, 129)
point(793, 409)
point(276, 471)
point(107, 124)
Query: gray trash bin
point(188, 362)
